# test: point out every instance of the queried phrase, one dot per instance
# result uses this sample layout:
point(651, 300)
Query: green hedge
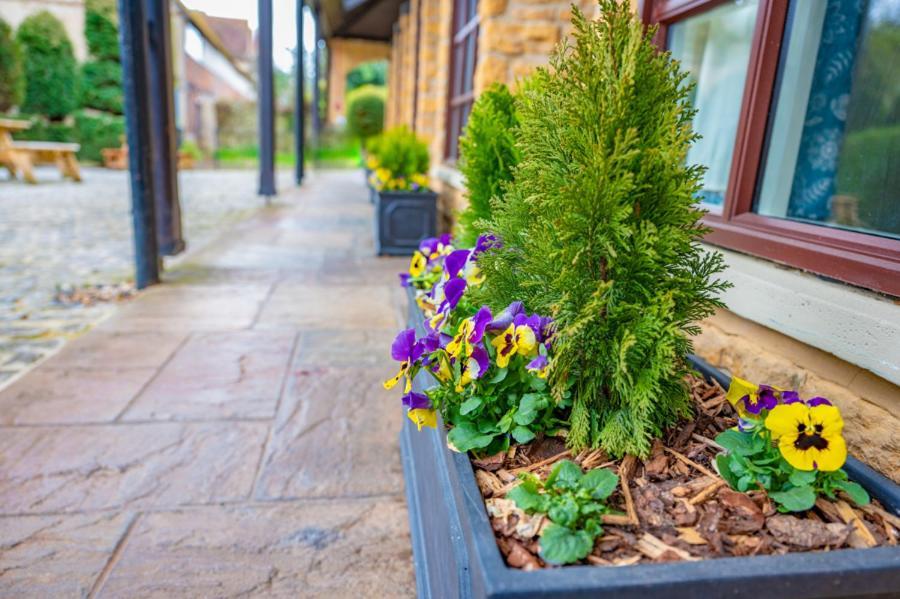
point(365, 111)
point(101, 86)
point(97, 131)
point(12, 77)
point(368, 73)
point(870, 170)
point(51, 81)
point(42, 129)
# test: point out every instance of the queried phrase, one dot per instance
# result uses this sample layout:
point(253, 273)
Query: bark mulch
point(675, 506)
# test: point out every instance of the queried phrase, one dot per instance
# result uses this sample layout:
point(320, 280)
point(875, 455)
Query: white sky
point(283, 27)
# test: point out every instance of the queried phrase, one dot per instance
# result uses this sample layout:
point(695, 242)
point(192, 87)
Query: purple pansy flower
point(453, 291)
point(817, 401)
point(416, 401)
point(428, 246)
point(788, 397)
point(764, 399)
point(486, 242)
point(455, 262)
point(505, 318)
point(404, 279)
point(405, 347)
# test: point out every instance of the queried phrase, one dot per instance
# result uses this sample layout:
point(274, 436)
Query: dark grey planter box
point(402, 220)
point(456, 555)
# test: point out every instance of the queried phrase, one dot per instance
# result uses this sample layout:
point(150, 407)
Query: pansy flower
point(418, 264)
point(416, 401)
point(505, 318)
point(422, 418)
point(809, 438)
point(518, 338)
point(471, 331)
point(763, 398)
point(539, 366)
point(405, 350)
point(473, 367)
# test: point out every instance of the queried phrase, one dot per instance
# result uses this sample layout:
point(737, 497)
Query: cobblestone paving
point(224, 434)
point(61, 233)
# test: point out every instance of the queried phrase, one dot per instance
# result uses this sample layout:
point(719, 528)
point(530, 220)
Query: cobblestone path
point(59, 233)
point(224, 434)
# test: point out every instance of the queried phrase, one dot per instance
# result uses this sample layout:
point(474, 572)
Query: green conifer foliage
point(600, 230)
point(12, 79)
point(51, 83)
point(488, 155)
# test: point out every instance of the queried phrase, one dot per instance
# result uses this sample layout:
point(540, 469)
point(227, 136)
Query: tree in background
point(12, 80)
point(51, 82)
point(367, 73)
point(101, 75)
point(365, 111)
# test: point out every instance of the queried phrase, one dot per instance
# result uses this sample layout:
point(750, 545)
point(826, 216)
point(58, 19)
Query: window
point(463, 54)
point(799, 109)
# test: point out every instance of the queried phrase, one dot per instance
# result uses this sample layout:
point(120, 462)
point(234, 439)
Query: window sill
point(857, 326)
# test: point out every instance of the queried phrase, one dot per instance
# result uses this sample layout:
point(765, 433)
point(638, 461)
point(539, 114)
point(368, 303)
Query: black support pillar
point(162, 123)
point(299, 101)
point(133, 44)
point(266, 102)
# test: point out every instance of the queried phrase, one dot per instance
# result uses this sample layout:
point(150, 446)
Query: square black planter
point(456, 554)
point(402, 220)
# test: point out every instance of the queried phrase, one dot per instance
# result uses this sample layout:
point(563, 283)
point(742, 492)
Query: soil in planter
point(676, 507)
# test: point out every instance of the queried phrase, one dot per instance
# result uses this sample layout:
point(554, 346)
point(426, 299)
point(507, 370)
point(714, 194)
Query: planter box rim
point(837, 573)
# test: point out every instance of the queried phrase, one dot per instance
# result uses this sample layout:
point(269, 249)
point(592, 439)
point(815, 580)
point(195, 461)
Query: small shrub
point(42, 129)
point(12, 79)
point(365, 111)
point(488, 155)
point(368, 73)
point(97, 131)
point(51, 82)
point(101, 86)
point(402, 160)
point(101, 31)
point(600, 231)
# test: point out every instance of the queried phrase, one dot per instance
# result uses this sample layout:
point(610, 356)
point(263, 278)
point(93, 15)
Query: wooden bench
point(117, 158)
point(21, 156)
point(30, 153)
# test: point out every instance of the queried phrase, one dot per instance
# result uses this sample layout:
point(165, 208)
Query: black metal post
point(133, 47)
point(266, 102)
point(314, 112)
point(165, 151)
point(299, 101)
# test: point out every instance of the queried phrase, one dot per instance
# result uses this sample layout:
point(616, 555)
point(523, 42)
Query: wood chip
point(861, 536)
point(808, 534)
point(706, 493)
point(707, 441)
point(489, 483)
point(686, 460)
point(627, 561)
point(616, 520)
point(598, 561)
point(536, 465)
point(654, 548)
point(626, 469)
point(884, 514)
point(689, 535)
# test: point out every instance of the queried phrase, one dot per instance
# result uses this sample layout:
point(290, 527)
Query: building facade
point(801, 187)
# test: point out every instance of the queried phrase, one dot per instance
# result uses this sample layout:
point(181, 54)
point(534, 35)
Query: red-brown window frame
point(458, 37)
point(868, 261)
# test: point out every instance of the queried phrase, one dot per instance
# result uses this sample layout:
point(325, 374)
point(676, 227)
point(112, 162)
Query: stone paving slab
point(117, 351)
point(218, 375)
point(68, 397)
point(57, 556)
point(304, 305)
point(78, 468)
point(334, 549)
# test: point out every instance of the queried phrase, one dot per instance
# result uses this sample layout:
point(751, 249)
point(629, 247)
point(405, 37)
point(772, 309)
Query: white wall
point(70, 12)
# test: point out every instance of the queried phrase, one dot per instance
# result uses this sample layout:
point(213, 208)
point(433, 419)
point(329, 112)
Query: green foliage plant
point(12, 78)
point(401, 153)
point(600, 230)
point(97, 130)
point(51, 81)
point(574, 502)
point(101, 76)
point(488, 155)
point(368, 73)
point(365, 111)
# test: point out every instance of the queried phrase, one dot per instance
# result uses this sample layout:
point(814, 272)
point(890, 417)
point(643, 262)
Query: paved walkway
point(60, 233)
point(224, 434)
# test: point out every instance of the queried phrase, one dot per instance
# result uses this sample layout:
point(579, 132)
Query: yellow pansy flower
point(809, 438)
point(422, 417)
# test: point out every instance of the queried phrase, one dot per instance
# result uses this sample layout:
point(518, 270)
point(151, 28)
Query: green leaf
point(801, 478)
point(527, 497)
point(528, 408)
point(522, 434)
point(498, 376)
point(564, 510)
point(506, 422)
point(565, 474)
point(723, 463)
point(798, 499)
point(473, 403)
point(855, 491)
point(737, 442)
point(600, 482)
point(466, 437)
point(562, 545)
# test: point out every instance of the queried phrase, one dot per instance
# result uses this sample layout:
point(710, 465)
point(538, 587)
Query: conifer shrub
point(600, 231)
point(12, 80)
point(101, 76)
point(488, 155)
point(50, 71)
point(365, 111)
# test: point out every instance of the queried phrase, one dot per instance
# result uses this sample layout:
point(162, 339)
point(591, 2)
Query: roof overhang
point(361, 19)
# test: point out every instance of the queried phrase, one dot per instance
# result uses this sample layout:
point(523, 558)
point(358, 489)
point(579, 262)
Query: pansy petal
point(788, 397)
point(832, 458)
point(416, 401)
point(403, 345)
point(829, 417)
point(784, 419)
point(423, 418)
point(454, 290)
point(817, 401)
point(505, 318)
point(481, 358)
point(480, 322)
point(455, 262)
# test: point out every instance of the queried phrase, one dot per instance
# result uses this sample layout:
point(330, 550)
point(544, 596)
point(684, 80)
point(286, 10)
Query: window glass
point(714, 48)
point(833, 148)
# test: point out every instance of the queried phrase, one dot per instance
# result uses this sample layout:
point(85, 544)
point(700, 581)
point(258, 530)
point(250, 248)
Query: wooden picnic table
point(21, 156)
